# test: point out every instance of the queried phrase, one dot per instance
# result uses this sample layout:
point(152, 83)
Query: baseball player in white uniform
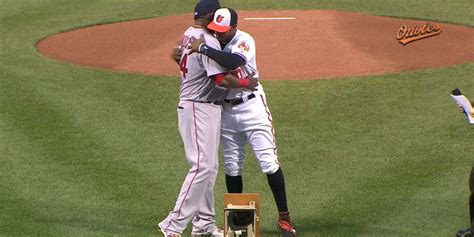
point(199, 121)
point(246, 116)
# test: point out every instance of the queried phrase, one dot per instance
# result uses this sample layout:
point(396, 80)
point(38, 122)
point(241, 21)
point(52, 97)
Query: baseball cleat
point(464, 233)
point(170, 235)
point(167, 235)
point(286, 226)
point(287, 234)
point(216, 233)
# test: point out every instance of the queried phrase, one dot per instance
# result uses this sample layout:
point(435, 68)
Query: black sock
point(471, 198)
point(277, 185)
point(234, 184)
point(471, 208)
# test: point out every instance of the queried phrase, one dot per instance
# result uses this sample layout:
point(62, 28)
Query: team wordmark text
point(406, 34)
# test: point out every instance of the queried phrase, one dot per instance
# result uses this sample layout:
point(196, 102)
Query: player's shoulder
point(194, 31)
point(210, 39)
point(244, 35)
point(244, 42)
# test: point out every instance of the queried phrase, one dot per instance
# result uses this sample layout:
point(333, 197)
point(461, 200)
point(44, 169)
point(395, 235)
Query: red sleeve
point(218, 78)
point(244, 83)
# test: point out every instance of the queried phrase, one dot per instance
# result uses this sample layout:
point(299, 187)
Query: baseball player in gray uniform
point(246, 116)
point(199, 122)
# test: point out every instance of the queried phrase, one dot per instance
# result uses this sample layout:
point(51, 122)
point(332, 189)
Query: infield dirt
point(315, 44)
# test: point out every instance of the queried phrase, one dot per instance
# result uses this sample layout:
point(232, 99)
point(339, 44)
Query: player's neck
point(198, 26)
point(223, 44)
point(201, 22)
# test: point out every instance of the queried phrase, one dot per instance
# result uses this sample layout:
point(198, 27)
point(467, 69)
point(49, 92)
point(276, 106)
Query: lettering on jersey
point(238, 72)
point(185, 41)
point(243, 47)
point(406, 34)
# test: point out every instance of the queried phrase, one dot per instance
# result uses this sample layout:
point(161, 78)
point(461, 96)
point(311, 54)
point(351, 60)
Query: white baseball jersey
point(250, 121)
point(242, 44)
point(199, 126)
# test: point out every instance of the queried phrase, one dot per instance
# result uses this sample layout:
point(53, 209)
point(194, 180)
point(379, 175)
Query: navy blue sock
point(277, 185)
point(234, 184)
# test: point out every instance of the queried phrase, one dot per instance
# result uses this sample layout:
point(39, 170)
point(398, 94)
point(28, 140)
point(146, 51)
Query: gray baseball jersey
point(196, 69)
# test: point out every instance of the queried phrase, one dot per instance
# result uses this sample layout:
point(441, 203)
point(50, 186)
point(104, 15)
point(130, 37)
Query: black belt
point(213, 102)
point(241, 100)
point(206, 102)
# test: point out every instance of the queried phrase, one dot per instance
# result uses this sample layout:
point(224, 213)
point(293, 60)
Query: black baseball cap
point(205, 7)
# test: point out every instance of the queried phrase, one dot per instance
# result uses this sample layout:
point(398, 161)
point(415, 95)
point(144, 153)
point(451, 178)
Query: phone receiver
point(456, 92)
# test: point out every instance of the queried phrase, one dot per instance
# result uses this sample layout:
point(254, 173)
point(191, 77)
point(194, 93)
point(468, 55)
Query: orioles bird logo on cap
point(219, 18)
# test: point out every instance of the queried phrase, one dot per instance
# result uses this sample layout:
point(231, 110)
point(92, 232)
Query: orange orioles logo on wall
point(219, 18)
point(407, 35)
point(243, 47)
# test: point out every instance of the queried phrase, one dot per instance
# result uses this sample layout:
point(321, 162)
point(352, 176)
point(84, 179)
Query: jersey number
point(182, 64)
point(238, 73)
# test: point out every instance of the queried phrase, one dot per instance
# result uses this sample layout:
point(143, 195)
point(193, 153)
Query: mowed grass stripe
point(79, 155)
point(341, 157)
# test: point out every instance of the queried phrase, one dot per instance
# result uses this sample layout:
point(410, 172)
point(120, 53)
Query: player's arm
point(226, 59)
point(218, 73)
point(176, 52)
point(472, 104)
point(462, 109)
point(230, 81)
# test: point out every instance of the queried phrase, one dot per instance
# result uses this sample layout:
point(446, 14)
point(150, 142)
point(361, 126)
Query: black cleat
point(464, 233)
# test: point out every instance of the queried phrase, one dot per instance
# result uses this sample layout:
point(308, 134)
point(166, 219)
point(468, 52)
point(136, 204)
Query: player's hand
point(253, 82)
point(176, 53)
point(195, 43)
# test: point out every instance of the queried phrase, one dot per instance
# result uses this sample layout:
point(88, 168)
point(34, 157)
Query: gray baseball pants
point(199, 126)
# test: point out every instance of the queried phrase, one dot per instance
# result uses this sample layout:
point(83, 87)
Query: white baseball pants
point(249, 122)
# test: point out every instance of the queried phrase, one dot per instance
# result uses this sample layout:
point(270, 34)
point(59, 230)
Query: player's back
point(196, 69)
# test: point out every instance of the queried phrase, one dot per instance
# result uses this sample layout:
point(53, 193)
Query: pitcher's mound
point(290, 44)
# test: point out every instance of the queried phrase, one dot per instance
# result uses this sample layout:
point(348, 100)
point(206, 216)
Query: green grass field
point(87, 152)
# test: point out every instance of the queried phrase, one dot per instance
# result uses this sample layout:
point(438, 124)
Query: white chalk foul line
point(269, 18)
